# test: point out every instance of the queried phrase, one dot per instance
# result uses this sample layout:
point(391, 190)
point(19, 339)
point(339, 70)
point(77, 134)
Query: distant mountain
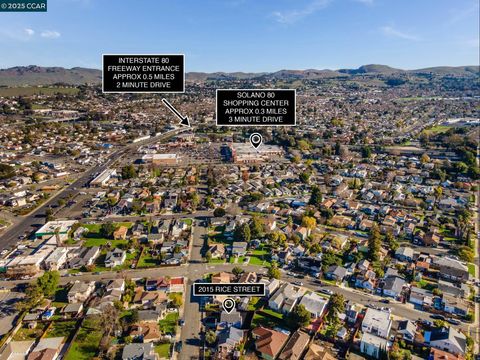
point(449, 70)
point(372, 69)
point(38, 75)
point(202, 76)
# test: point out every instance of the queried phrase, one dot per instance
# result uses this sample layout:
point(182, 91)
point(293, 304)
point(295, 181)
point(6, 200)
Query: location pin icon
point(228, 305)
point(256, 140)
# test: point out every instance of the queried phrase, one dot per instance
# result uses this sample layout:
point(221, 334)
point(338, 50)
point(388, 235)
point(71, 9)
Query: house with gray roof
point(137, 351)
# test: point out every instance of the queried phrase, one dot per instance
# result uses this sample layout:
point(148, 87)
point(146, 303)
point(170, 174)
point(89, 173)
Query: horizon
point(267, 36)
point(257, 72)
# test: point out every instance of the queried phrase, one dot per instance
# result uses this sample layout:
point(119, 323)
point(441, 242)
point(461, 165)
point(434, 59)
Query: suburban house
point(47, 348)
point(228, 339)
point(145, 331)
point(451, 269)
point(393, 286)
point(83, 257)
point(135, 351)
point(420, 297)
point(447, 339)
point(285, 298)
point(453, 305)
point(120, 233)
point(239, 248)
point(16, 350)
point(404, 253)
point(408, 330)
point(217, 251)
point(314, 304)
point(295, 346)
point(336, 272)
point(80, 291)
point(377, 322)
point(116, 257)
point(268, 342)
point(372, 345)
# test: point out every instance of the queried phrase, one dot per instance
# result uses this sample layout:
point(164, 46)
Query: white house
point(371, 345)
point(115, 258)
point(377, 322)
point(314, 304)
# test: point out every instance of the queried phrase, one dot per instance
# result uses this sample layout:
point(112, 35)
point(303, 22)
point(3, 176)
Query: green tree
point(208, 255)
point(366, 152)
point(209, 202)
point(392, 243)
point(6, 171)
point(316, 197)
point(298, 317)
point(33, 296)
point(273, 271)
point(219, 212)
point(305, 177)
point(210, 337)
point(309, 222)
point(466, 253)
point(374, 243)
point(129, 172)
point(237, 271)
point(107, 229)
point(243, 233)
point(256, 227)
point(48, 282)
point(49, 215)
point(176, 299)
point(337, 305)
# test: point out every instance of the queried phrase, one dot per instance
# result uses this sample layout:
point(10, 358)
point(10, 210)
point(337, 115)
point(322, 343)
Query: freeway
point(31, 221)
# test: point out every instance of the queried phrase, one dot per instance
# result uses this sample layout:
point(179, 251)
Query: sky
point(247, 35)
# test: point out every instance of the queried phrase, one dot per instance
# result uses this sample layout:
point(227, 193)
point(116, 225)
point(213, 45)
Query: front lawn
point(87, 341)
point(471, 269)
point(217, 261)
point(147, 260)
point(163, 350)
point(95, 238)
point(269, 318)
point(168, 325)
point(61, 328)
point(259, 256)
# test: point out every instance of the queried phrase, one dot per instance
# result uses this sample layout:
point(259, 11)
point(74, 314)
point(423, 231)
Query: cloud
point(16, 34)
point(472, 43)
point(292, 16)
point(365, 2)
point(392, 32)
point(49, 34)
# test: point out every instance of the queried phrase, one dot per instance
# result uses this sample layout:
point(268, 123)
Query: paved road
point(191, 330)
point(36, 218)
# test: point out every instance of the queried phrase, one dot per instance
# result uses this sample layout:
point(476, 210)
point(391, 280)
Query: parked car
point(453, 321)
point(438, 317)
point(326, 291)
point(385, 301)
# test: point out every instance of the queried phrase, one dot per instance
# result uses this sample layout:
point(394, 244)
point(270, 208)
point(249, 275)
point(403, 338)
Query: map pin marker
point(228, 305)
point(256, 140)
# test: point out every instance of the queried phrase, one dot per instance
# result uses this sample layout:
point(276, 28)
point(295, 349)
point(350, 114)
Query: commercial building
point(160, 159)
point(244, 153)
point(103, 178)
point(51, 228)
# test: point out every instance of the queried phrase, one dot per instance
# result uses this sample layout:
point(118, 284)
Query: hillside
point(37, 75)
